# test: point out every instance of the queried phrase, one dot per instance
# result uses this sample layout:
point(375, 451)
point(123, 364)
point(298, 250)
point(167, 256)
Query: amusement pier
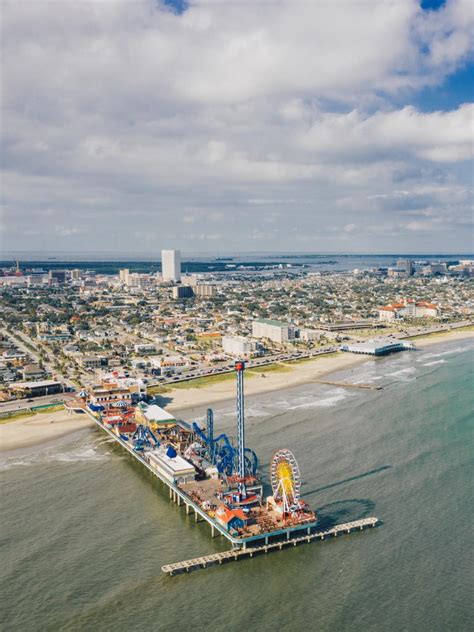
point(216, 478)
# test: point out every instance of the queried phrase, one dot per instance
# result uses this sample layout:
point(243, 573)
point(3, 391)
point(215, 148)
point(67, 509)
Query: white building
point(308, 335)
point(144, 348)
point(170, 364)
point(171, 265)
point(205, 290)
point(238, 345)
point(409, 309)
point(273, 330)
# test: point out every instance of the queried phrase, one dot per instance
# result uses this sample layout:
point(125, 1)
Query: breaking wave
point(434, 362)
point(63, 454)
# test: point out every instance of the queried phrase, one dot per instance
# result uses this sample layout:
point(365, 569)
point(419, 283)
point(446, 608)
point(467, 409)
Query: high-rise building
point(124, 275)
point(171, 265)
point(273, 330)
point(183, 291)
point(57, 276)
point(406, 266)
point(238, 345)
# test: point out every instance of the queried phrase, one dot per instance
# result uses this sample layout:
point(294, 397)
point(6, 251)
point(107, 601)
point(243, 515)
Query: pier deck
point(237, 554)
point(181, 498)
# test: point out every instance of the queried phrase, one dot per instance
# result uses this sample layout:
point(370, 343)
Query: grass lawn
point(333, 354)
point(441, 333)
point(15, 416)
point(30, 413)
point(210, 380)
point(50, 409)
point(276, 367)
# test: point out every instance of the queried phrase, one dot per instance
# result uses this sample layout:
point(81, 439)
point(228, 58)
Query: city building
point(205, 290)
point(308, 335)
point(238, 345)
point(57, 276)
point(408, 308)
point(35, 389)
point(274, 330)
point(144, 348)
point(32, 372)
point(170, 364)
point(406, 266)
point(183, 291)
point(123, 276)
point(171, 265)
point(91, 362)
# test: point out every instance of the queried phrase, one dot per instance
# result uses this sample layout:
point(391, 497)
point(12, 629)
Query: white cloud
point(436, 136)
point(123, 113)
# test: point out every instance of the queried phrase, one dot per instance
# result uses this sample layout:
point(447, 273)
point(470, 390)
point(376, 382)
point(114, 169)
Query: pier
point(218, 483)
point(371, 387)
point(181, 498)
point(237, 554)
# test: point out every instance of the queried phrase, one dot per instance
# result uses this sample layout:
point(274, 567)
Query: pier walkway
point(236, 554)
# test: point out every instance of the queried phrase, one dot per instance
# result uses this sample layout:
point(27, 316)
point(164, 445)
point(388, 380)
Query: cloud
point(435, 136)
point(121, 116)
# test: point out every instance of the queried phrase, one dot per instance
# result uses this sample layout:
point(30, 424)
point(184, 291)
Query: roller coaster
point(221, 452)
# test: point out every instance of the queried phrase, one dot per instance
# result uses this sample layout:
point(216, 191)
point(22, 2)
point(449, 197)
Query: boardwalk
point(236, 554)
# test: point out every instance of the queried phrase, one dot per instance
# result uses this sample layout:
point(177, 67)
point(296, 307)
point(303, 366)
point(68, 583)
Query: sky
point(244, 125)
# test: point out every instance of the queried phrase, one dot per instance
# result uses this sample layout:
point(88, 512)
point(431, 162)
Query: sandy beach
point(47, 427)
point(296, 375)
point(41, 428)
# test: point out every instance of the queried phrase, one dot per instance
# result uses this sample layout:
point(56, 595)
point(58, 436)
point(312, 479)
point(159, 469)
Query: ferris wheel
point(286, 479)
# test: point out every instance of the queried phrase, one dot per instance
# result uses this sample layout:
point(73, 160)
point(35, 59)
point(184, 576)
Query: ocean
point(103, 263)
point(85, 530)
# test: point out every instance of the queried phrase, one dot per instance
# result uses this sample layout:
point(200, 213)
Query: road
point(228, 367)
point(20, 339)
point(22, 404)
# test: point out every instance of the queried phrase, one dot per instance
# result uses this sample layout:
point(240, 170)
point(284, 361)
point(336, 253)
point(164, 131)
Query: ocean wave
point(441, 354)
point(57, 455)
point(434, 362)
point(402, 372)
point(323, 402)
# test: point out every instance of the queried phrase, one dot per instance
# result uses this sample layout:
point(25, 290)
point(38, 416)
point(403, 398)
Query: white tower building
point(171, 265)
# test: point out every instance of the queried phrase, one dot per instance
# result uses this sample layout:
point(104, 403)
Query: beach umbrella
point(83, 394)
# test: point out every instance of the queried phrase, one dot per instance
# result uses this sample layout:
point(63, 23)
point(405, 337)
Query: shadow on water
point(347, 480)
point(344, 511)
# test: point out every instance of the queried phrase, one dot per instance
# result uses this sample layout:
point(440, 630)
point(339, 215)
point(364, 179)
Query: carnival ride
point(221, 452)
point(286, 481)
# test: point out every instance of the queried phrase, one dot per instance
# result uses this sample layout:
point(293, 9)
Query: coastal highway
point(256, 363)
point(25, 404)
point(228, 367)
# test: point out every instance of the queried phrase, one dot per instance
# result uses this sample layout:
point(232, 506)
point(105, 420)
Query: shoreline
point(38, 430)
point(298, 375)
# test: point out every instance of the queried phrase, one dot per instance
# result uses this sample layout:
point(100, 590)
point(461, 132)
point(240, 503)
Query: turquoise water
point(85, 530)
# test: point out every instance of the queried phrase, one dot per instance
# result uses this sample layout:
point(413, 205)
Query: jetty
point(371, 387)
point(237, 554)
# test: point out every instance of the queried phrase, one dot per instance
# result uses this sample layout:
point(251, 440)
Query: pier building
point(378, 346)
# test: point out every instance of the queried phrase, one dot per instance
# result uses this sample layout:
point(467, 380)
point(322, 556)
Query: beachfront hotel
point(274, 330)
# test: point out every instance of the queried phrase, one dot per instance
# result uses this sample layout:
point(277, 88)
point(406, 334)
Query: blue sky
point(275, 124)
